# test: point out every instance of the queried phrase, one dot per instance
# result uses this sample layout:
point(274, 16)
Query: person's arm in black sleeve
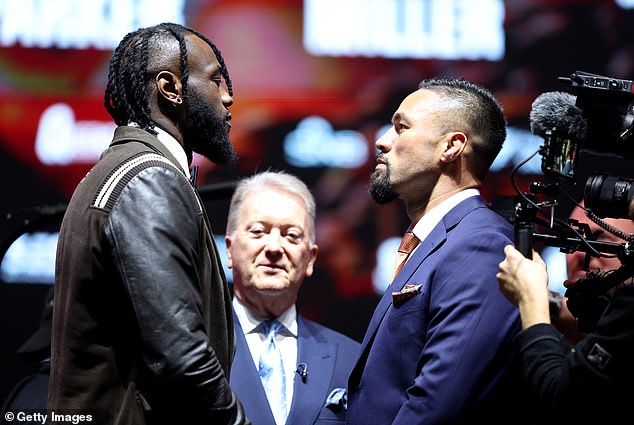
point(544, 362)
point(154, 230)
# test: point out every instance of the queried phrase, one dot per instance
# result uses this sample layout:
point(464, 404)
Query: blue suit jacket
point(443, 355)
point(329, 357)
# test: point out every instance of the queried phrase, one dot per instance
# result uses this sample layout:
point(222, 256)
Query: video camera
point(597, 117)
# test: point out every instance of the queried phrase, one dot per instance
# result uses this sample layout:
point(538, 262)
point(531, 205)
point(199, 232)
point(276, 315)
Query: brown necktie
point(409, 242)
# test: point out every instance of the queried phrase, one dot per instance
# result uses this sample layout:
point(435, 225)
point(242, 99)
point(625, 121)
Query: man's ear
point(169, 87)
point(311, 263)
point(455, 145)
point(228, 245)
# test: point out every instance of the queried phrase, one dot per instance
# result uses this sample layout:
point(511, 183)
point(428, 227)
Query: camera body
point(603, 106)
point(608, 106)
point(597, 117)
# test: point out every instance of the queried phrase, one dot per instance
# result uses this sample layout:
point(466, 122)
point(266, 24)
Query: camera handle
point(524, 215)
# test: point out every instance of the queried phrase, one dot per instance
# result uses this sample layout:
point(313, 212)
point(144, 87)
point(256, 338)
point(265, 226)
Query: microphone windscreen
point(558, 110)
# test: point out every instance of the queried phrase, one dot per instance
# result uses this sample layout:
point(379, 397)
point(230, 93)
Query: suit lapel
point(246, 384)
point(434, 240)
point(309, 395)
point(426, 247)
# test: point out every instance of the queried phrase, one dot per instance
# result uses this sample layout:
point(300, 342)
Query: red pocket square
point(407, 292)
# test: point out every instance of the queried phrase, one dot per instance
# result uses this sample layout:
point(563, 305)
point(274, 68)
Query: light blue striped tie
point(271, 370)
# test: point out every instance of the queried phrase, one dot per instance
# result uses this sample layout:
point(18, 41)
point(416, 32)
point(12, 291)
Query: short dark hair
point(126, 97)
point(481, 112)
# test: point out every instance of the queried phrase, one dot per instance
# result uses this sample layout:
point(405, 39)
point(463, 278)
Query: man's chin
point(224, 157)
point(382, 194)
point(272, 288)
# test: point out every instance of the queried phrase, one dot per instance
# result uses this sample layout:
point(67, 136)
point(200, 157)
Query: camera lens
point(608, 196)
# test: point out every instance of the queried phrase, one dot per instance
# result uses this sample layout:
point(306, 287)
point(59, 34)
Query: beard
point(380, 188)
point(206, 132)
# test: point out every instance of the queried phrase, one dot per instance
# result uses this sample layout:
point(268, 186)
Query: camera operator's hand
point(524, 283)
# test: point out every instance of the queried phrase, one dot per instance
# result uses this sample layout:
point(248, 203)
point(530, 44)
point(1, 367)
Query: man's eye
point(402, 126)
point(294, 237)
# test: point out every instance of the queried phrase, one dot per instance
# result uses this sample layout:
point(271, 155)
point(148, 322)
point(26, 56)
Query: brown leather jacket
point(142, 327)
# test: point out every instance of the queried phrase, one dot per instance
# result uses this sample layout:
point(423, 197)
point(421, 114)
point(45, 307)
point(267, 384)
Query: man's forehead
point(425, 101)
point(199, 50)
point(420, 101)
point(195, 43)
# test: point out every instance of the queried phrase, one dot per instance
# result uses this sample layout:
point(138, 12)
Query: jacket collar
point(125, 134)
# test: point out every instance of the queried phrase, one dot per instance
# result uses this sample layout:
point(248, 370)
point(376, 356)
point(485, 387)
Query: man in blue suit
point(438, 349)
point(271, 249)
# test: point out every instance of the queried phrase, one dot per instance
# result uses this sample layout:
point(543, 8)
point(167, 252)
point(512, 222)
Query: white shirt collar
point(172, 145)
point(250, 320)
point(426, 224)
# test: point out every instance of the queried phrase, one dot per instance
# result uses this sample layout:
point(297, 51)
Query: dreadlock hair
point(126, 97)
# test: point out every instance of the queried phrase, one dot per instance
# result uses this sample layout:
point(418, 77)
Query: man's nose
point(227, 99)
point(384, 143)
point(274, 242)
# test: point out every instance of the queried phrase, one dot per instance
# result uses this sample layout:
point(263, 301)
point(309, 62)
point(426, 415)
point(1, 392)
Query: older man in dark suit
point(288, 369)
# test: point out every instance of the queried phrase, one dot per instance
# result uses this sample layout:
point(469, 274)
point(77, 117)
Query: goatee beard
point(206, 133)
point(380, 188)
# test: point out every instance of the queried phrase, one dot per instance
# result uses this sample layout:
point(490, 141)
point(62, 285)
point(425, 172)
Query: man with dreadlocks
point(143, 330)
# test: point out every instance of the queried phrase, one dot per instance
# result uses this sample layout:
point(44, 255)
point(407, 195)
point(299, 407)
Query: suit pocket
point(328, 416)
point(406, 321)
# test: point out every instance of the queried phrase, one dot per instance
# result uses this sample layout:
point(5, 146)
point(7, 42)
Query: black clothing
point(592, 382)
point(29, 394)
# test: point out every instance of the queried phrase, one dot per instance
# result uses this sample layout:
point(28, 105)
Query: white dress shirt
point(172, 145)
point(426, 224)
point(286, 340)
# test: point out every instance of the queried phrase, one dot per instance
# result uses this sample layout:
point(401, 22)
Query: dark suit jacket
point(443, 354)
point(328, 356)
point(142, 316)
